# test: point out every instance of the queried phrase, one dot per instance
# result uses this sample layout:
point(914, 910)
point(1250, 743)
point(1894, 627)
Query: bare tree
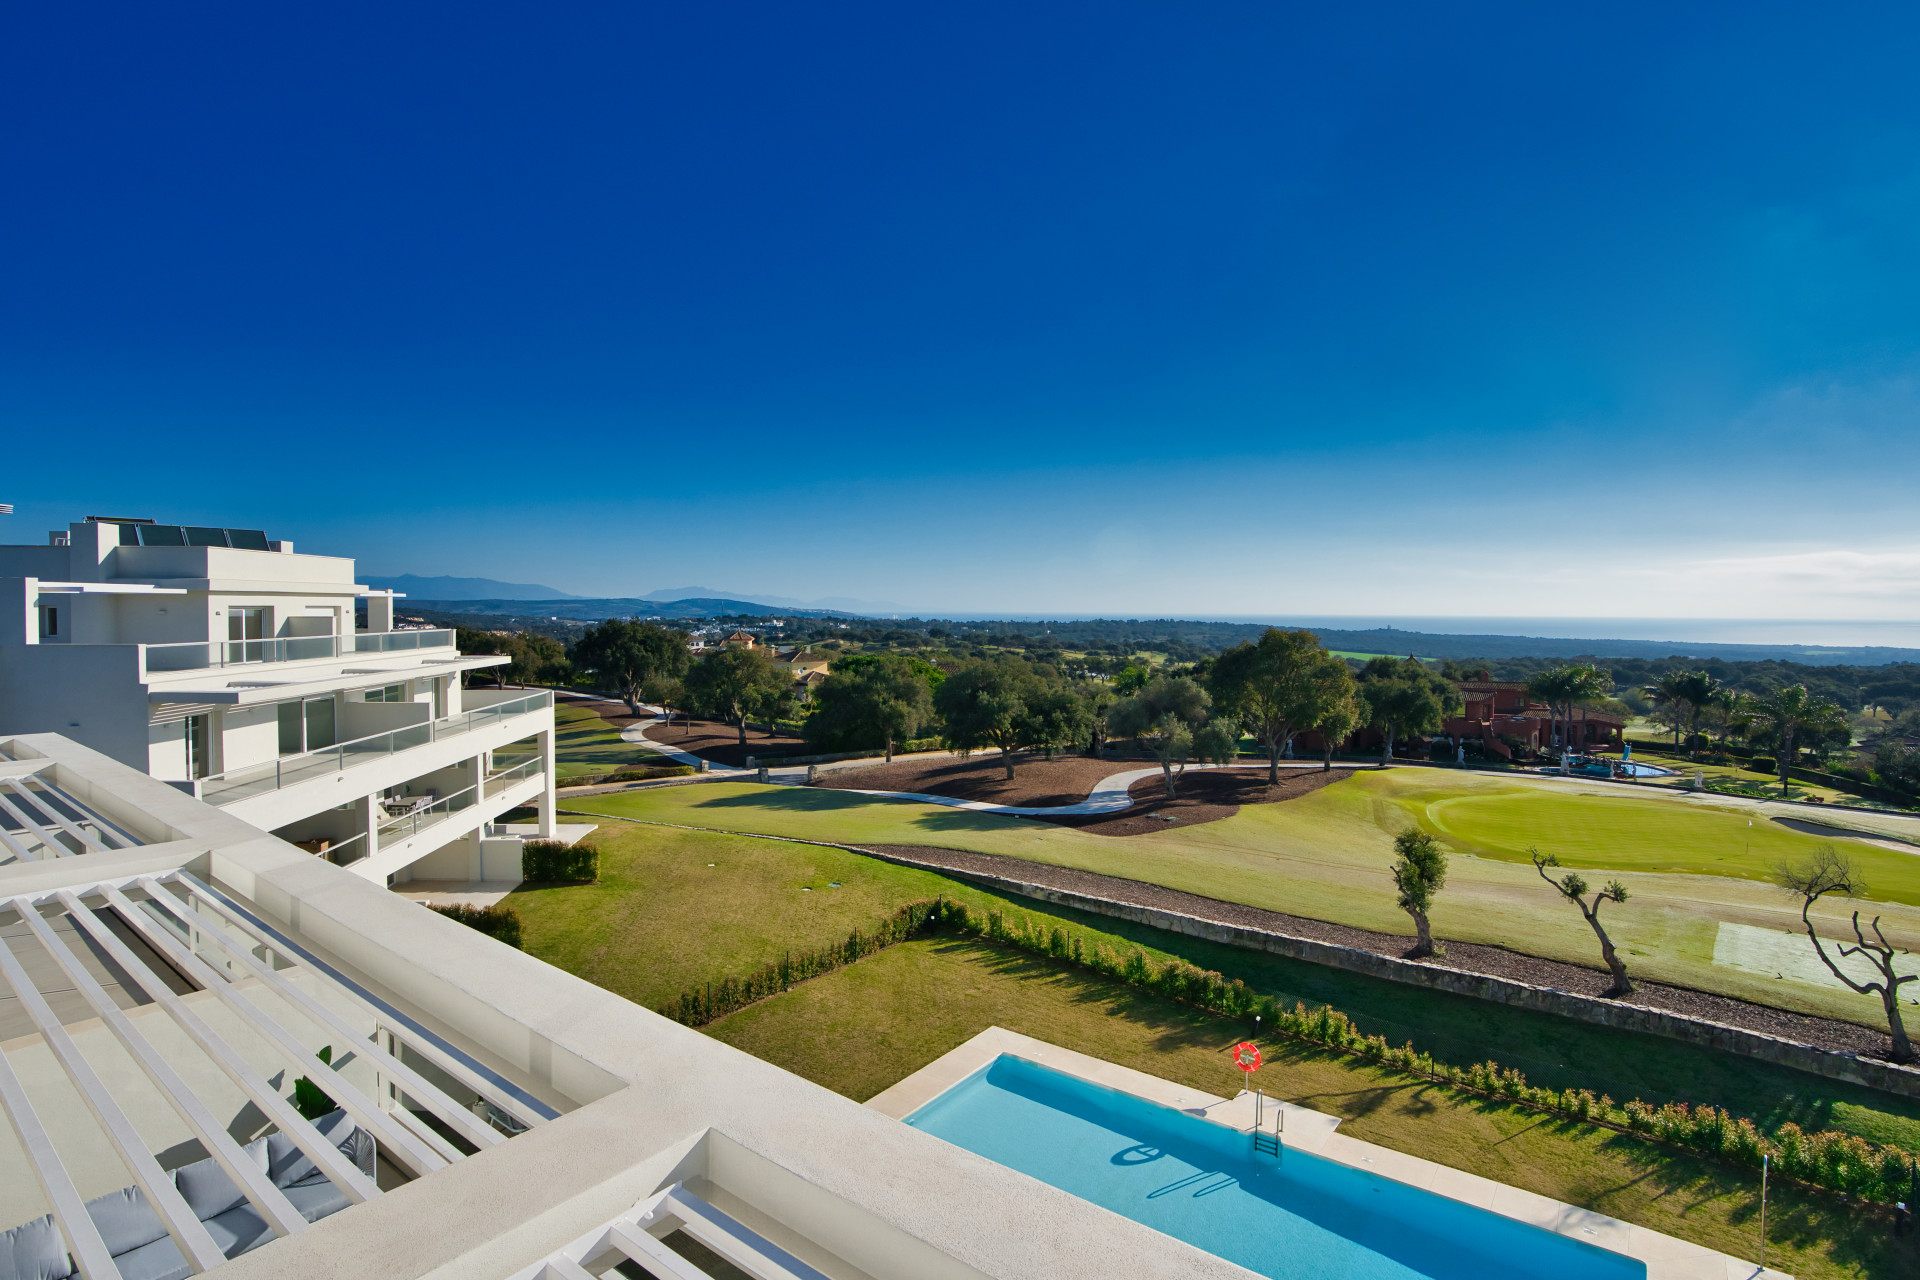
point(1573, 887)
point(1826, 870)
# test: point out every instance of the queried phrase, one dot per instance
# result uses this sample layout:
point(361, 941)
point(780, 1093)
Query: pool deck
point(1666, 1258)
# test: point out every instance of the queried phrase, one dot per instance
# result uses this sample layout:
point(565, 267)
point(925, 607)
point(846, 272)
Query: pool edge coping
point(1665, 1257)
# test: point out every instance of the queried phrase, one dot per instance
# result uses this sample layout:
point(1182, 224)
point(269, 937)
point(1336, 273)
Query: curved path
point(1110, 795)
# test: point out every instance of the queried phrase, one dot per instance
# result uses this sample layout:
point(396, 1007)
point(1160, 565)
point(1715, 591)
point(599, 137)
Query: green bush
point(553, 862)
point(309, 1099)
point(1764, 764)
point(499, 921)
point(1836, 1161)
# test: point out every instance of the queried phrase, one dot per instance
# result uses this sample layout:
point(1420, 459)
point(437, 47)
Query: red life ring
point(1246, 1056)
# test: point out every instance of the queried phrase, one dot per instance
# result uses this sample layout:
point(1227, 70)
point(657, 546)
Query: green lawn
point(662, 920)
point(1326, 855)
point(862, 1028)
point(585, 744)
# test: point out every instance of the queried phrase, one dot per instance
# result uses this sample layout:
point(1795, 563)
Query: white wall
point(249, 735)
point(92, 695)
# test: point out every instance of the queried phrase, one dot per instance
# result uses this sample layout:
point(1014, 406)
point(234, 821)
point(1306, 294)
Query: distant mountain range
point(416, 587)
point(447, 590)
point(585, 609)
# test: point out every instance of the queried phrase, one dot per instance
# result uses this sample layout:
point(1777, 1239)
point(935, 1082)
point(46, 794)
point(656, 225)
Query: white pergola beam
point(54, 847)
point(343, 1173)
point(400, 1143)
point(452, 1065)
point(196, 1245)
point(457, 1117)
point(39, 800)
point(69, 1210)
point(269, 1200)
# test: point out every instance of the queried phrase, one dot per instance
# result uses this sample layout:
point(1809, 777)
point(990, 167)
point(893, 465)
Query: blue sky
point(1473, 309)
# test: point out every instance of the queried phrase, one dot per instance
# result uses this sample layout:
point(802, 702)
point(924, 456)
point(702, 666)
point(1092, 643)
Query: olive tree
point(627, 655)
point(1573, 887)
point(735, 682)
point(1825, 871)
point(1419, 872)
point(1270, 685)
point(1169, 719)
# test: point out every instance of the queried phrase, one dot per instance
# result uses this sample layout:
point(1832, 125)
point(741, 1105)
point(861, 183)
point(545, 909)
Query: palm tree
point(1697, 690)
point(1793, 713)
point(1562, 688)
point(1732, 712)
point(1670, 692)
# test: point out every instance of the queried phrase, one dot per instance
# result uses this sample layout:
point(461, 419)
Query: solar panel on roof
point(247, 539)
point(162, 535)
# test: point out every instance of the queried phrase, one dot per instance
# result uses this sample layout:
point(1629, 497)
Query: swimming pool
point(1296, 1218)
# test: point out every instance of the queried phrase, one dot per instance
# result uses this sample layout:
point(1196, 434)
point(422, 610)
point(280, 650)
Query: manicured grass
point(585, 744)
point(864, 1027)
point(661, 920)
point(1326, 855)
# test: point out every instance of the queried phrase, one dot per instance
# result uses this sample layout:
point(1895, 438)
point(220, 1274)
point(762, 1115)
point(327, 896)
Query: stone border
point(1871, 1073)
point(1313, 1132)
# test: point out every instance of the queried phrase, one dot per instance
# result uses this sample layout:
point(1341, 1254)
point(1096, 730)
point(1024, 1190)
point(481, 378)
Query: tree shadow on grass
point(826, 800)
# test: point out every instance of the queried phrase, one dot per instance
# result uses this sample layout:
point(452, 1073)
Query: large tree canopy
point(733, 683)
point(627, 655)
point(1403, 698)
point(987, 704)
point(872, 701)
point(1277, 686)
point(1169, 717)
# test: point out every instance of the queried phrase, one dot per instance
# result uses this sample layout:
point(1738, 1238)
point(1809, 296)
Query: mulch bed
point(708, 739)
point(1205, 796)
point(1463, 957)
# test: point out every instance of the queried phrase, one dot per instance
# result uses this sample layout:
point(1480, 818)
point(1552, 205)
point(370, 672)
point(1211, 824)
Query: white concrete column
point(546, 801)
point(366, 819)
point(19, 611)
point(380, 613)
point(476, 868)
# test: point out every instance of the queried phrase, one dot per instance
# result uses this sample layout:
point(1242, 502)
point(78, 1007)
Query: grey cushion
point(33, 1251)
point(125, 1220)
point(287, 1165)
point(238, 1230)
point(207, 1189)
point(160, 1260)
point(315, 1200)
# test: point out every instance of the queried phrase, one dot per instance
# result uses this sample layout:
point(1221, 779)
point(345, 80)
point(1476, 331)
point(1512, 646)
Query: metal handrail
point(506, 777)
point(408, 825)
point(201, 655)
point(259, 779)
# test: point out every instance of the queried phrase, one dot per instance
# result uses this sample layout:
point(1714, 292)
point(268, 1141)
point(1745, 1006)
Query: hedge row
point(641, 773)
point(556, 862)
point(1836, 1161)
point(700, 1005)
point(499, 921)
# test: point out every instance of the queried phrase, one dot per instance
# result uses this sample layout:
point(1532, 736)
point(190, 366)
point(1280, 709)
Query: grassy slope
point(584, 744)
point(662, 920)
point(860, 1029)
point(1325, 855)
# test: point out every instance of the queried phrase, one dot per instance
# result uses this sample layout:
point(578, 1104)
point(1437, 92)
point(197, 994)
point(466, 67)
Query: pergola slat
point(357, 1186)
point(47, 837)
point(400, 1144)
point(470, 1126)
point(38, 800)
point(196, 1245)
point(502, 1094)
point(69, 1210)
point(651, 1254)
point(269, 1200)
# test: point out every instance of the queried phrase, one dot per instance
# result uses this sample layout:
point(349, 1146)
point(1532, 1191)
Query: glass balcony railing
point(204, 655)
point(242, 784)
point(410, 824)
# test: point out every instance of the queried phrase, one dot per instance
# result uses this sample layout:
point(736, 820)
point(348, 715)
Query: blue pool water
point(1298, 1218)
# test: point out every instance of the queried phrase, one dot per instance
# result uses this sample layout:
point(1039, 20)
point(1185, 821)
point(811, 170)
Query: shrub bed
point(640, 773)
point(1834, 1161)
point(701, 1005)
point(499, 921)
point(554, 862)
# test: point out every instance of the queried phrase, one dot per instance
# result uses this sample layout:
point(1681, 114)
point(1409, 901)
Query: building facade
point(272, 685)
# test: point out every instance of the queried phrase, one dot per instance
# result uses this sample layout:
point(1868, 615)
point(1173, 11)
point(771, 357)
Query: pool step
point(1265, 1143)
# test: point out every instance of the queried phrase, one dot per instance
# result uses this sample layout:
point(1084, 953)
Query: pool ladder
point(1265, 1143)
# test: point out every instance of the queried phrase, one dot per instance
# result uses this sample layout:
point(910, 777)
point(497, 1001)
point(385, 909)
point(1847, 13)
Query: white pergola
point(639, 1237)
point(152, 935)
point(38, 820)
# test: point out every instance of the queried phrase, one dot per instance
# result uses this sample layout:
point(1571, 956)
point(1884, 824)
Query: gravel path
point(1465, 957)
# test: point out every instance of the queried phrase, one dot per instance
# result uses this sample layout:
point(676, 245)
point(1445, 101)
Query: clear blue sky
point(1235, 308)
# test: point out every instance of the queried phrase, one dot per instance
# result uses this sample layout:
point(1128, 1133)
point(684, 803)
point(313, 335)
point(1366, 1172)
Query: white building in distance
point(273, 686)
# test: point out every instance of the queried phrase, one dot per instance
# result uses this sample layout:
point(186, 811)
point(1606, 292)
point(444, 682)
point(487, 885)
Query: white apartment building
point(271, 685)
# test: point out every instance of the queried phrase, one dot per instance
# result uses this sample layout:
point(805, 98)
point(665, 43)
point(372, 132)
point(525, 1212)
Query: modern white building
point(273, 686)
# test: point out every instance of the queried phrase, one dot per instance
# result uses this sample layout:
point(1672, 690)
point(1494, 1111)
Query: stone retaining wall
point(1712, 1035)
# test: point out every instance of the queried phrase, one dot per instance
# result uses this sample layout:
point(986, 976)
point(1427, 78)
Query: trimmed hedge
point(553, 862)
point(638, 773)
point(499, 921)
point(698, 1006)
point(1831, 1160)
